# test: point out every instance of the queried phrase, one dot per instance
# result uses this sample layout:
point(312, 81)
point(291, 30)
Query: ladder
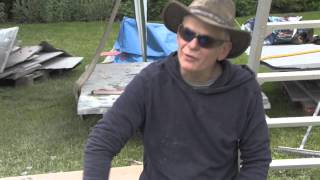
point(259, 34)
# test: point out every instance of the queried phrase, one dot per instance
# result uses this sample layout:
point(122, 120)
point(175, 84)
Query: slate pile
point(20, 61)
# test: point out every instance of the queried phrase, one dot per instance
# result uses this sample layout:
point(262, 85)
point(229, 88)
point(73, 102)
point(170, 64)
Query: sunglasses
point(204, 41)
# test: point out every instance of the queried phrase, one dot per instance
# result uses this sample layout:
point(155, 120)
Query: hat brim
point(174, 13)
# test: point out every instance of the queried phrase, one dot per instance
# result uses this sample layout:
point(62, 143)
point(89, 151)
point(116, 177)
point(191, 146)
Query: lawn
point(41, 132)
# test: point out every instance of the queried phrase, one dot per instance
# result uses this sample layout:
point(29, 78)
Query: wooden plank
point(110, 77)
point(293, 121)
point(43, 57)
point(18, 69)
point(295, 163)
point(118, 173)
point(62, 63)
point(22, 55)
point(25, 71)
point(297, 94)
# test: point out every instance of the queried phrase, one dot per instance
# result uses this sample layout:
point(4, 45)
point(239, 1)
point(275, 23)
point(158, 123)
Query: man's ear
point(224, 51)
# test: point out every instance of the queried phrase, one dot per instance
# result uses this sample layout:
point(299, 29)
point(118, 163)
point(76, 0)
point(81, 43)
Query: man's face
point(193, 57)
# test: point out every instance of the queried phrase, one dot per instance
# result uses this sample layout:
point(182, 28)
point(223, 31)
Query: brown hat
point(218, 13)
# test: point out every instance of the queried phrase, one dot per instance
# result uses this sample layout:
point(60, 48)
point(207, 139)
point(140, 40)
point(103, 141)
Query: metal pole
point(259, 33)
point(141, 16)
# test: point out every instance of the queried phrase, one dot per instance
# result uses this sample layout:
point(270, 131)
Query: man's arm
point(111, 133)
point(254, 143)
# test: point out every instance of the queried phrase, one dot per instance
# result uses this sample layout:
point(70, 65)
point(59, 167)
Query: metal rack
point(263, 11)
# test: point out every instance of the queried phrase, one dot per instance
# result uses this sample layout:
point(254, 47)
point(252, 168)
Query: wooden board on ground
point(118, 173)
point(22, 55)
point(296, 94)
point(43, 57)
point(106, 77)
point(62, 63)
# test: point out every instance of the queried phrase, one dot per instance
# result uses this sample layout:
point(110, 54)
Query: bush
point(283, 6)
point(88, 10)
point(246, 7)
point(7, 7)
point(26, 11)
point(3, 15)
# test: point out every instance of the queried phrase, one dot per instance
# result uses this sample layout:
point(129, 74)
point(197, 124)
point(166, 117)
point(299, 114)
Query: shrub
point(3, 15)
point(283, 6)
point(246, 7)
point(88, 10)
point(60, 10)
point(27, 10)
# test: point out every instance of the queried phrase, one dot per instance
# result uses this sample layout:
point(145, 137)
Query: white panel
point(293, 121)
point(295, 163)
point(288, 76)
point(292, 25)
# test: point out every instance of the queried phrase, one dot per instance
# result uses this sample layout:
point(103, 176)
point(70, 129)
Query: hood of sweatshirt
point(231, 77)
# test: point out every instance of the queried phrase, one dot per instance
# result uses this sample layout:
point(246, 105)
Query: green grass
point(41, 132)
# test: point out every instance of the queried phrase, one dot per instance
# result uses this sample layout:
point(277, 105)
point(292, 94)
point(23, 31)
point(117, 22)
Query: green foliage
point(155, 8)
point(7, 7)
point(126, 9)
point(3, 15)
point(88, 10)
point(60, 10)
point(27, 10)
point(245, 7)
point(248, 7)
point(281, 6)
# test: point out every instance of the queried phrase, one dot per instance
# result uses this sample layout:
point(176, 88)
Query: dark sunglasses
point(204, 41)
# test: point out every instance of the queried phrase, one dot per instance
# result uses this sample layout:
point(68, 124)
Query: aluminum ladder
point(259, 34)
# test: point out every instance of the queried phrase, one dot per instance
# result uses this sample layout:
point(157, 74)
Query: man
point(195, 109)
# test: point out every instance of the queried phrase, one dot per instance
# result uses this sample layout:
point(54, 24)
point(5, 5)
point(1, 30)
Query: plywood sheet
point(22, 55)
point(111, 77)
point(62, 63)
point(43, 57)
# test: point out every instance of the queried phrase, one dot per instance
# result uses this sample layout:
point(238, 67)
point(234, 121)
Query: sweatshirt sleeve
point(254, 143)
point(111, 133)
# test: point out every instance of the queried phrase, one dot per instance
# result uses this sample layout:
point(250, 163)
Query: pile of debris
point(31, 61)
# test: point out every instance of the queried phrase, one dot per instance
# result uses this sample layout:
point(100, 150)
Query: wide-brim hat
point(218, 13)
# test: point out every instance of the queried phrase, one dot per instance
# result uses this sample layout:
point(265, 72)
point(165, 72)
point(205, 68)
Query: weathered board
point(22, 55)
point(106, 77)
point(62, 63)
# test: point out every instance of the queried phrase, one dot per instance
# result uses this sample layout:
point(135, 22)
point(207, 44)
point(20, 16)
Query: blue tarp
point(160, 42)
